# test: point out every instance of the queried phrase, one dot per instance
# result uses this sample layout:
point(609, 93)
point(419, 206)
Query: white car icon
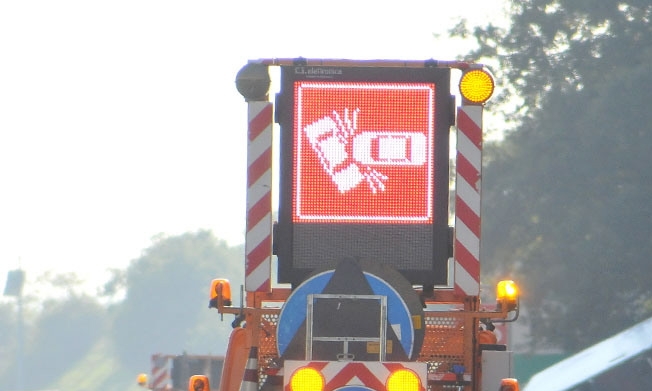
point(390, 148)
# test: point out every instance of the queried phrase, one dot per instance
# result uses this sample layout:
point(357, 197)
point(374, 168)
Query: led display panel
point(364, 169)
point(358, 159)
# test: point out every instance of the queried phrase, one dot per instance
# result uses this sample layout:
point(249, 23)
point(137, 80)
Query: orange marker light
point(198, 383)
point(509, 384)
point(507, 295)
point(220, 289)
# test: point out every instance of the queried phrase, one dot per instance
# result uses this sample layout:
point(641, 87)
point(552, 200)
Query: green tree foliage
point(166, 306)
point(57, 331)
point(8, 332)
point(77, 341)
point(563, 45)
point(67, 330)
point(566, 194)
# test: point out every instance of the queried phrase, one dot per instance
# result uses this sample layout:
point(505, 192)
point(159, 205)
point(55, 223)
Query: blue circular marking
point(293, 315)
point(294, 310)
point(397, 311)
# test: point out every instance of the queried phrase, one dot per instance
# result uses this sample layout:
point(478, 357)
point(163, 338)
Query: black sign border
point(284, 233)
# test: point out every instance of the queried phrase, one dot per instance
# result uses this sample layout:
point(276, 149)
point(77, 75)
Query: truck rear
point(374, 288)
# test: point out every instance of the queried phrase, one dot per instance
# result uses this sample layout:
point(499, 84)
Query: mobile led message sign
point(364, 169)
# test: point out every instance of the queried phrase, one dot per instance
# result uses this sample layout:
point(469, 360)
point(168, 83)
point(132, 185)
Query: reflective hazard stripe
point(250, 376)
point(467, 201)
point(370, 374)
point(258, 240)
point(161, 379)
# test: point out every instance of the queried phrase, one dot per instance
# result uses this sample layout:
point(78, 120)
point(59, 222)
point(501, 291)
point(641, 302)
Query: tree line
point(566, 196)
point(164, 310)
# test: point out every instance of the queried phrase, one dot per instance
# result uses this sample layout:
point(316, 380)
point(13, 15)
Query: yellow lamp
point(306, 379)
point(403, 380)
point(476, 86)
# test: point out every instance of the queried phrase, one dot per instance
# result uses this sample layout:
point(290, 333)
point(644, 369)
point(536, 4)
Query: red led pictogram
point(363, 152)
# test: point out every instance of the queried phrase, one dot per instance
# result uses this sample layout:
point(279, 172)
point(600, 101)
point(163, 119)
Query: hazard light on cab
point(307, 379)
point(507, 295)
point(509, 384)
point(142, 379)
point(199, 383)
point(476, 86)
point(220, 293)
point(403, 380)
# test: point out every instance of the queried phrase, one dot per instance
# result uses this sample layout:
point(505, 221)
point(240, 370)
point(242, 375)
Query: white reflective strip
point(469, 150)
point(258, 233)
point(468, 194)
point(330, 370)
point(252, 363)
point(381, 372)
point(259, 275)
point(474, 113)
point(259, 145)
point(259, 189)
point(465, 281)
point(355, 381)
point(335, 368)
point(255, 107)
point(467, 238)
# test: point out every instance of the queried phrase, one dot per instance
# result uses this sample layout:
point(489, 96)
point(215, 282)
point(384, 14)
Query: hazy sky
point(119, 120)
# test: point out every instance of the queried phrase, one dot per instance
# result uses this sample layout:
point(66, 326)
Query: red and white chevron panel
point(258, 239)
point(370, 374)
point(467, 200)
point(161, 367)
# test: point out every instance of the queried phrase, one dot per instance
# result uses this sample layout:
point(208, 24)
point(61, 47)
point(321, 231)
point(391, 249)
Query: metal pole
point(21, 344)
point(14, 287)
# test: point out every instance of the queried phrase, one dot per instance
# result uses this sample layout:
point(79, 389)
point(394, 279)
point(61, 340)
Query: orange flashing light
point(507, 295)
point(198, 383)
point(509, 384)
point(220, 293)
point(142, 379)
